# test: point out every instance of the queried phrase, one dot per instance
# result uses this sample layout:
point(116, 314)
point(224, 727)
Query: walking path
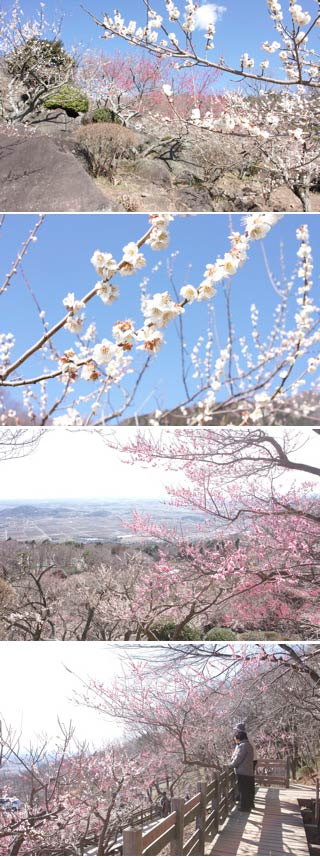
point(274, 827)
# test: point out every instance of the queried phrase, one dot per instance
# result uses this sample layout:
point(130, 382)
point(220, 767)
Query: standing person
point(242, 762)
point(241, 727)
point(165, 804)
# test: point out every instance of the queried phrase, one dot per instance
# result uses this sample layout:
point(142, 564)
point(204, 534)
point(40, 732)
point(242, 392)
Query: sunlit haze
point(73, 464)
point(36, 689)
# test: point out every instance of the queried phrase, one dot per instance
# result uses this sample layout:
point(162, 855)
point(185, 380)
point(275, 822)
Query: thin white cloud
point(209, 13)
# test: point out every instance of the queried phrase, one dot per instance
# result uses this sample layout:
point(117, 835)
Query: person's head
point(240, 735)
point(241, 727)
point(164, 794)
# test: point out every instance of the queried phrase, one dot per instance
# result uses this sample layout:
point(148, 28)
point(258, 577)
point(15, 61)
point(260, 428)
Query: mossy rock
point(70, 99)
point(103, 114)
point(218, 633)
point(167, 632)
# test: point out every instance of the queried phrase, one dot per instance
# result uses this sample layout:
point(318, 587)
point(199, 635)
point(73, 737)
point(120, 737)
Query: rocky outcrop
point(37, 175)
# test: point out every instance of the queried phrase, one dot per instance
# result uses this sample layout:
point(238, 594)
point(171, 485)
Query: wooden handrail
point(210, 806)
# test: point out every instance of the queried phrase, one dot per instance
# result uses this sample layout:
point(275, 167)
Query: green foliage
point(68, 98)
point(103, 114)
point(218, 633)
point(168, 629)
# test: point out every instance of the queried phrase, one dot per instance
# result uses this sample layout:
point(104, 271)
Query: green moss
point(103, 114)
point(167, 632)
point(218, 633)
point(68, 98)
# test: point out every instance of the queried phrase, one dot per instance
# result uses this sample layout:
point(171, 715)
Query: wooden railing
point(208, 808)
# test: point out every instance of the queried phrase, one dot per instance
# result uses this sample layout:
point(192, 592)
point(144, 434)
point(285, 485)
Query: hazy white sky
point(77, 464)
point(36, 688)
point(74, 464)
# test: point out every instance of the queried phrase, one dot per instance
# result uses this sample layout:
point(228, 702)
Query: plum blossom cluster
point(161, 309)
point(299, 61)
point(15, 30)
point(246, 375)
point(287, 347)
point(257, 226)
point(283, 130)
point(266, 116)
point(124, 331)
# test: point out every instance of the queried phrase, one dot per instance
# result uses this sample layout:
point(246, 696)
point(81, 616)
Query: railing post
point(317, 804)
point(177, 806)
point(288, 773)
point(218, 803)
point(201, 817)
point(132, 841)
point(235, 788)
point(228, 807)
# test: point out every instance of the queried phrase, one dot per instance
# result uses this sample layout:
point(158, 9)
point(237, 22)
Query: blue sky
point(60, 262)
point(243, 25)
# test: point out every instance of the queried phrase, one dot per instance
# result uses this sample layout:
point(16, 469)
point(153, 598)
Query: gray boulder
point(37, 175)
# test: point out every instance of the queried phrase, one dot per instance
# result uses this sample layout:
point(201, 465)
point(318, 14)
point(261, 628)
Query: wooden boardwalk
point(275, 827)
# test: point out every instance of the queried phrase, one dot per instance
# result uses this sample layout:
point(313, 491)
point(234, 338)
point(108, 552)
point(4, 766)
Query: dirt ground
point(128, 192)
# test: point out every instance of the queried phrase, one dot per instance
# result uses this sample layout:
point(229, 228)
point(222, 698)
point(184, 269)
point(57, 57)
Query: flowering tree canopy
point(187, 700)
point(169, 29)
point(258, 537)
point(179, 715)
point(34, 63)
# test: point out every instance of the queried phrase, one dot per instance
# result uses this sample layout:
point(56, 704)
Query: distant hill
point(303, 410)
point(20, 511)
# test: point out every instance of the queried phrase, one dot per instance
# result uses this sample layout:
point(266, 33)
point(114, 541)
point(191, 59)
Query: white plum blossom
point(123, 332)
point(189, 293)
point(298, 16)
point(132, 260)
point(107, 292)
point(104, 264)
point(161, 309)
point(195, 114)
point(104, 352)
point(159, 238)
point(152, 339)
point(161, 219)
point(271, 48)
point(167, 89)
point(246, 61)
point(75, 324)
point(71, 303)
point(132, 255)
point(89, 371)
point(206, 290)
point(258, 225)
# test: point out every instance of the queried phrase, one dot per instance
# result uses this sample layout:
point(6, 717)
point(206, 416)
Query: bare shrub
point(6, 593)
point(103, 144)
